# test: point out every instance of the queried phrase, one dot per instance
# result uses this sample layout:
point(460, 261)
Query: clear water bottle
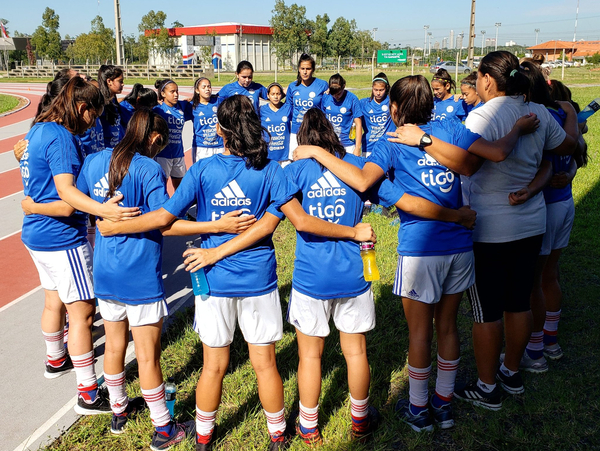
point(584, 114)
point(352, 134)
point(170, 395)
point(199, 282)
point(367, 253)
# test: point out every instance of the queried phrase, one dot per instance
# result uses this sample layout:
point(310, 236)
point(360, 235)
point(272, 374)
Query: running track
point(36, 410)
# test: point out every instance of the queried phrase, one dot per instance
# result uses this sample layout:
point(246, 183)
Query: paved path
point(36, 410)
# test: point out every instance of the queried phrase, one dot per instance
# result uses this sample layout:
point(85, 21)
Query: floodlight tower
point(498, 25)
point(118, 33)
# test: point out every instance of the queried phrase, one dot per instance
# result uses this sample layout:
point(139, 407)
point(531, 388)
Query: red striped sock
point(309, 416)
point(205, 425)
point(446, 376)
point(551, 327)
point(55, 348)
point(276, 423)
point(418, 379)
point(87, 384)
point(157, 404)
point(116, 392)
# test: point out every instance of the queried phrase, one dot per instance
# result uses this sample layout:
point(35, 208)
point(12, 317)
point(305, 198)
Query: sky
point(399, 23)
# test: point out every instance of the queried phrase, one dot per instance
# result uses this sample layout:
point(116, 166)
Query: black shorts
point(504, 274)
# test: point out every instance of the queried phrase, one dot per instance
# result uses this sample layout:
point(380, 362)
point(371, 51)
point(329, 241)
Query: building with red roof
point(578, 50)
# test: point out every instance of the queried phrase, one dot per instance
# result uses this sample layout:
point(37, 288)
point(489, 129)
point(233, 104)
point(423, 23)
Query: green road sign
point(391, 56)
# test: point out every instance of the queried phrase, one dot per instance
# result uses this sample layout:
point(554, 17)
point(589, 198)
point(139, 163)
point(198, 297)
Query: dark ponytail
point(316, 130)
point(242, 130)
point(136, 140)
point(414, 100)
point(504, 68)
point(133, 95)
point(539, 91)
point(105, 73)
point(53, 88)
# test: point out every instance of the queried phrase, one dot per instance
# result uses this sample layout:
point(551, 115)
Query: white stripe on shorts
point(475, 303)
point(398, 282)
point(75, 257)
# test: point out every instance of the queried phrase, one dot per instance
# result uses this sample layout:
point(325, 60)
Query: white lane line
point(16, 301)
point(10, 234)
point(8, 170)
point(10, 195)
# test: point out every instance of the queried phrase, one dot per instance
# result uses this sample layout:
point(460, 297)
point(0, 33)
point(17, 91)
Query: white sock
point(116, 392)
point(504, 370)
point(309, 416)
point(275, 422)
point(205, 422)
point(86, 374)
point(359, 408)
point(418, 379)
point(486, 388)
point(55, 347)
point(157, 404)
point(446, 376)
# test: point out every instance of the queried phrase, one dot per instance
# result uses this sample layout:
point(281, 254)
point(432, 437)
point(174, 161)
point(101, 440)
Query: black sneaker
point(54, 372)
point(208, 446)
point(100, 405)
point(181, 431)
point(472, 393)
point(512, 385)
point(372, 422)
point(420, 422)
point(118, 422)
point(443, 415)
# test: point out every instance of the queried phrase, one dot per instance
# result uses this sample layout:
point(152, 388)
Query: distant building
point(510, 43)
point(451, 44)
point(579, 50)
point(459, 40)
point(234, 42)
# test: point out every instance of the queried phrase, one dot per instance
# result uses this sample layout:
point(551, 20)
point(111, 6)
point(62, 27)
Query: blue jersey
point(255, 92)
point(342, 114)
point(175, 117)
point(127, 268)
point(205, 125)
point(421, 175)
point(376, 121)
point(127, 111)
point(278, 125)
point(113, 133)
point(51, 150)
point(449, 109)
point(560, 163)
point(303, 98)
point(92, 140)
point(221, 184)
point(473, 107)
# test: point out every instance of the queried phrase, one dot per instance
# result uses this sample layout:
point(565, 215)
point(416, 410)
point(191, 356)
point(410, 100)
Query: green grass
point(7, 103)
point(558, 411)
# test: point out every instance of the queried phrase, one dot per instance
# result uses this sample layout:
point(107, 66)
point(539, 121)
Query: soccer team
point(88, 156)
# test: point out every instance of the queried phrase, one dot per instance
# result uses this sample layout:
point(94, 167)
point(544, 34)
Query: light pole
point(537, 30)
point(498, 25)
point(482, 41)
point(425, 27)
point(118, 33)
point(429, 33)
point(374, 31)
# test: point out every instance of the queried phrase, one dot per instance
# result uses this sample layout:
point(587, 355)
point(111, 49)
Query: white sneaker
point(533, 365)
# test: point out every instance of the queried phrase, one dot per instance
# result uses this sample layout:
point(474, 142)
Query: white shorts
point(366, 154)
point(350, 149)
point(68, 272)
point(425, 279)
point(259, 318)
point(199, 153)
point(138, 315)
point(559, 222)
point(311, 316)
point(293, 145)
point(173, 167)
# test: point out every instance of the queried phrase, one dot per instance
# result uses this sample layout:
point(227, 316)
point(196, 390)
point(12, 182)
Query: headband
point(513, 72)
point(468, 83)
point(381, 79)
point(165, 83)
point(441, 79)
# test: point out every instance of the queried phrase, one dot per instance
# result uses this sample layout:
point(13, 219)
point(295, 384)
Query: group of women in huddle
point(242, 193)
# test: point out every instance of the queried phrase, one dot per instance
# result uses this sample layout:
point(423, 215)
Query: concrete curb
point(8, 113)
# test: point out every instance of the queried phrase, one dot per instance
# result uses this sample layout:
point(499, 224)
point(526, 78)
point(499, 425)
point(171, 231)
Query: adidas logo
point(328, 108)
point(414, 294)
point(326, 186)
point(168, 111)
point(268, 119)
point(297, 93)
point(370, 111)
point(201, 114)
point(101, 187)
point(231, 196)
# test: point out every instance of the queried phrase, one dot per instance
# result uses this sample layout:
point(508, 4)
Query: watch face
point(425, 140)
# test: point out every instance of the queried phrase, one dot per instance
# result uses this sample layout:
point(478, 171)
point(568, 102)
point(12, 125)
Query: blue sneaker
point(420, 422)
point(118, 422)
point(181, 431)
point(442, 415)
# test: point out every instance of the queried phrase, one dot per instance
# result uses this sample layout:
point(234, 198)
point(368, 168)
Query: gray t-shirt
point(488, 189)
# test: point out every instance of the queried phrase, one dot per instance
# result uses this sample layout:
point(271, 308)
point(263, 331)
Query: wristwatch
point(425, 140)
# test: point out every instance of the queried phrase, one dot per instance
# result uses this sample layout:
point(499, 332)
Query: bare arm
point(359, 179)
point(571, 127)
point(423, 208)
point(58, 208)
point(303, 222)
point(153, 220)
point(65, 186)
point(358, 139)
point(231, 222)
point(539, 182)
point(563, 179)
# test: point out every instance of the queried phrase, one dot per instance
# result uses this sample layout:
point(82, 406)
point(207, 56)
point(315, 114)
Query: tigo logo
point(326, 186)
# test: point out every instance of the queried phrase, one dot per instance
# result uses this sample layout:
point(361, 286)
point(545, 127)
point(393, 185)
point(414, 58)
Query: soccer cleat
point(278, 444)
point(553, 351)
point(54, 372)
point(443, 415)
point(512, 385)
point(312, 437)
point(364, 433)
point(472, 393)
point(533, 365)
point(100, 405)
point(181, 431)
point(118, 422)
point(420, 422)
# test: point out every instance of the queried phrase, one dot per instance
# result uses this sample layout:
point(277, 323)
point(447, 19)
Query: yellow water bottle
point(352, 134)
point(367, 253)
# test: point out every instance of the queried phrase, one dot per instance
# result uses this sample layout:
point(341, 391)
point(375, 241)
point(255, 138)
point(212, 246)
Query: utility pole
point(471, 37)
point(537, 30)
point(482, 42)
point(374, 31)
point(118, 33)
point(498, 25)
point(425, 27)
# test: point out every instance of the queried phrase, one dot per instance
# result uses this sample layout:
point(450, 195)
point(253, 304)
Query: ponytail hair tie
point(513, 72)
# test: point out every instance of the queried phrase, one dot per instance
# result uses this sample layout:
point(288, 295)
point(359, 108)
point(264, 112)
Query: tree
point(98, 45)
point(342, 37)
point(155, 37)
point(177, 24)
point(46, 37)
point(319, 36)
point(366, 45)
point(290, 29)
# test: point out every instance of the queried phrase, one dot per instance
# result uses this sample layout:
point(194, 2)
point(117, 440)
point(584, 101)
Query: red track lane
point(18, 274)
point(6, 145)
point(10, 183)
point(25, 113)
